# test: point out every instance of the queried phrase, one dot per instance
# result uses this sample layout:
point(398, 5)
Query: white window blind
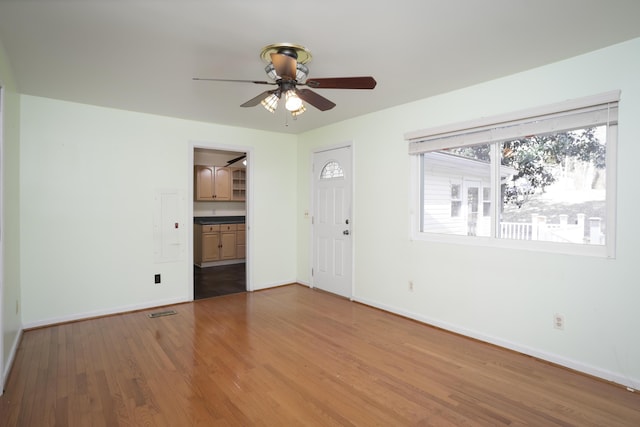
point(579, 113)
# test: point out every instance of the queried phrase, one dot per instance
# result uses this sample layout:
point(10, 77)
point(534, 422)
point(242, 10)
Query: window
point(456, 200)
point(331, 170)
point(536, 180)
point(486, 201)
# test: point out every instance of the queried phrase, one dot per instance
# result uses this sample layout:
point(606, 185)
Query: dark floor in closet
point(220, 280)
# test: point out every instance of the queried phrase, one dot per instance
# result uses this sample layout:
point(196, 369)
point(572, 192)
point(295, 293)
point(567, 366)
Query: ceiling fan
point(237, 159)
point(287, 70)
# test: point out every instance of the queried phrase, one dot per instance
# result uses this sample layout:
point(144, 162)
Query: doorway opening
point(219, 222)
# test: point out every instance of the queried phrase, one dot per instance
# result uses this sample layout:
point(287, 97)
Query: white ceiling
point(141, 55)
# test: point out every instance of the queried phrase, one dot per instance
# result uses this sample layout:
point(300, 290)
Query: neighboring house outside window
point(456, 200)
point(544, 181)
point(469, 179)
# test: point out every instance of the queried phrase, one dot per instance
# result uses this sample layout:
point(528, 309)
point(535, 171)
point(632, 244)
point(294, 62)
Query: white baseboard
point(576, 365)
point(9, 362)
point(273, 285)
point(106, 312)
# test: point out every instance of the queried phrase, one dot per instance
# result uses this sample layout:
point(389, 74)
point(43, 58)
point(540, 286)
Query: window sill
point(598, 251)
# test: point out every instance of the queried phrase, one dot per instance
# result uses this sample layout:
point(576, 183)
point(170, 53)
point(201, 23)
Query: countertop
point(209, 220)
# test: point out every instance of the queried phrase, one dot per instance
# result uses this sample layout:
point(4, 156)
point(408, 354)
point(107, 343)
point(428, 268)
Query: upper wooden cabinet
point(238, 183)
point(212, 183)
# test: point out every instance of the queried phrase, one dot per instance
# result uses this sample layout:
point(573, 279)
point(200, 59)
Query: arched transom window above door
point(332, 170)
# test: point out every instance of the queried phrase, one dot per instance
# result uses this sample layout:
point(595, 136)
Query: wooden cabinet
point(217, 242)
point(228, 241)
point(238, 183)
point(241, 244)
point(212, 183)
point(206, 240)
point(210, 247)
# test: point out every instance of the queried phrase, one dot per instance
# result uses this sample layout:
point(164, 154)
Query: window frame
point(455, 131)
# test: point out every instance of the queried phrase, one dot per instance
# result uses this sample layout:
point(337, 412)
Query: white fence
point(539, 229)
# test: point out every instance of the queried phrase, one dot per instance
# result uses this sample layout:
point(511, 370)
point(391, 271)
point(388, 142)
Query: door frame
point(312, 205)
point(3, 363)
point(210, 145)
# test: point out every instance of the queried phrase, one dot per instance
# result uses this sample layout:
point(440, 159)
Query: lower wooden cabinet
point(219, 242)
point(228, 241)
point(210, 247)
point(241, 244)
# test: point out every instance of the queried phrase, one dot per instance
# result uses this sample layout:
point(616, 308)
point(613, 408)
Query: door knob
point(345, 232)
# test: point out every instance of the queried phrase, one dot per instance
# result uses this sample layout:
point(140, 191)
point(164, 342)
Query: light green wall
point(88, 177)
point(11, 321)
point(82, 233)
point(503, 296)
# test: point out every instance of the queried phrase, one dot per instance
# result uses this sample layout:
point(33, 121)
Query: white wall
point(503, 296)
point(10, 319)
point(87, 186)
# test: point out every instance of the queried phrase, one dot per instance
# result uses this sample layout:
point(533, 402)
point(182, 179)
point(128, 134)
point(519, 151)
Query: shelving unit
point(238, 184)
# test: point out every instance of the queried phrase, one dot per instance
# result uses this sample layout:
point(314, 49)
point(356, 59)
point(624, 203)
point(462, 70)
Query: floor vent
point(162, 313)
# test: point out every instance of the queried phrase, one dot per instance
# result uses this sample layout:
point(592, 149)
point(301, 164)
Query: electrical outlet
point(558, 321)
point(410, 285)
point(17, 306)
point(157, 278)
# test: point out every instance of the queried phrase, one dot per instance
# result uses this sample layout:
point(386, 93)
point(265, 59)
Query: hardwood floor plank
point(290, 356)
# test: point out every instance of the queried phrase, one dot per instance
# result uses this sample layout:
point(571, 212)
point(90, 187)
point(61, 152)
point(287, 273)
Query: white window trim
point(432, 136)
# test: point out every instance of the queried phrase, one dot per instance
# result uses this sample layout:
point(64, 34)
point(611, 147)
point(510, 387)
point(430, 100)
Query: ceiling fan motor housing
point(289, 52)
point(300, 53)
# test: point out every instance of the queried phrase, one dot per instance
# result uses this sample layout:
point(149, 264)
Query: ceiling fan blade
point(256, 100)
point(285, 66)
point(318, 101)
point(258, 82)
point(342, 83)
point(237, 159)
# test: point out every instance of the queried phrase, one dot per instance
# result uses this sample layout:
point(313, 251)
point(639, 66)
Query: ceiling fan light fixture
point(292, 101)
point(301, 72)
point(270, 102)
point(271, 72)
point(299, 111)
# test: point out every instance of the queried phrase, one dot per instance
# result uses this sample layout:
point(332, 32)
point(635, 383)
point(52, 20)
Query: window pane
point(555, 187)
point(332, 170)
point(452, 185)
point(455, 209)
point(486, 201)
point(455, 191)
point(456, 200)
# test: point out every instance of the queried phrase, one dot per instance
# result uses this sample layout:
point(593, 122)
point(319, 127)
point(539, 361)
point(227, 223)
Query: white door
point(332, 245)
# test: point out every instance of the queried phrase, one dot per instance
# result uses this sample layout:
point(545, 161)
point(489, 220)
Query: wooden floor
point(290, 356)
